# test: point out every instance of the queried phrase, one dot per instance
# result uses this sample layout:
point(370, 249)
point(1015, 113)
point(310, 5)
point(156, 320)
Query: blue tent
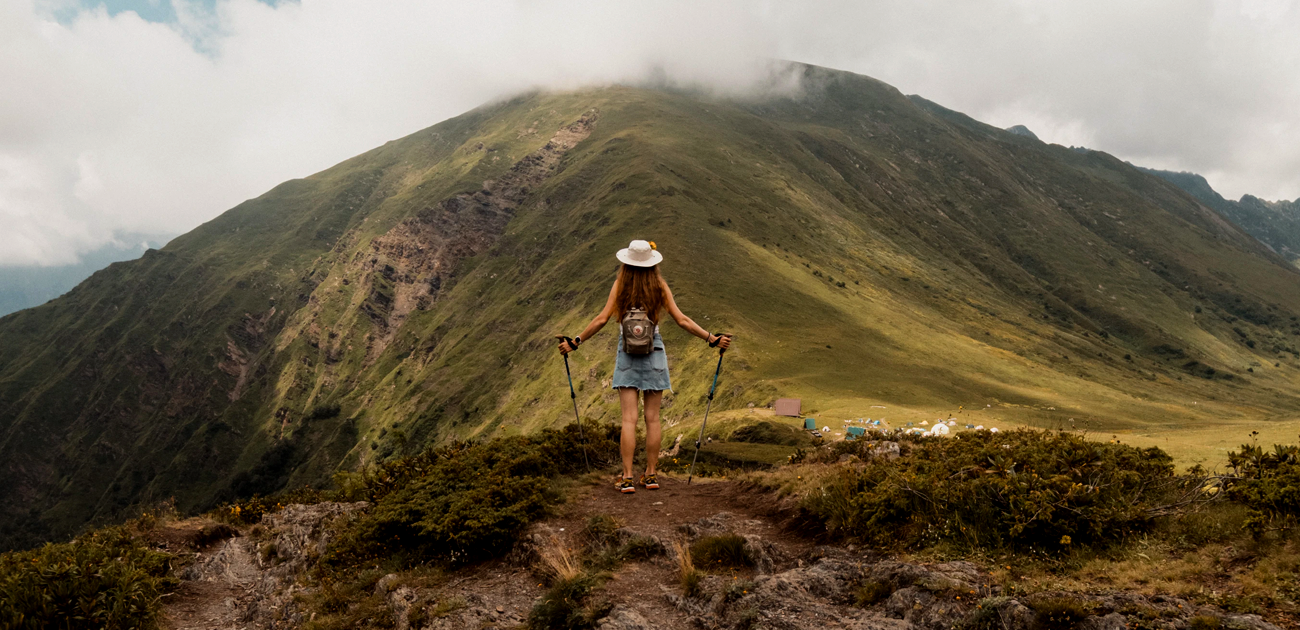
point(810, 424)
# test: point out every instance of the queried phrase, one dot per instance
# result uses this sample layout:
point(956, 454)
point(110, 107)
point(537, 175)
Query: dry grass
point(558, 560)
point(687, 574)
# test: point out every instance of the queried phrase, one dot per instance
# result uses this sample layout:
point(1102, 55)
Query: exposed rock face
point(252, 581)
point(621, 618)
point(416, 260)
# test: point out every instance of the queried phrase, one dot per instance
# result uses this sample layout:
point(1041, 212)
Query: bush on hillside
point(463, 502)
point(105, 579)
point(765, 432)
point(250, 511)
point(1025, 490)
point(1268, 484)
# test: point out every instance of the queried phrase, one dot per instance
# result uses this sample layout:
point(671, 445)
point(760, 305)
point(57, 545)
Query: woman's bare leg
point(627, 440)
point(653, 435)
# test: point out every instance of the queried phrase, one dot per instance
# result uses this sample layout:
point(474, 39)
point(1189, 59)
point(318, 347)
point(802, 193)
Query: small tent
point(787, 407)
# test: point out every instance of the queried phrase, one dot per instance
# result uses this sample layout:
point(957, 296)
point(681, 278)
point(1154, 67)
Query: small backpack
point(638, 332)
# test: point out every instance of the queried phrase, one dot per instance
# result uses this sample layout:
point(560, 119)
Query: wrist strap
point(715, 342)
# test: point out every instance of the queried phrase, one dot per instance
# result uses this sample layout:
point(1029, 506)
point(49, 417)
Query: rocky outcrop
point(411, 264)
point(250, 581)
point(257, 581)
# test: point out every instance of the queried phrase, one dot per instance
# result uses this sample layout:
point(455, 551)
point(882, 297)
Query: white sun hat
point(639, 254)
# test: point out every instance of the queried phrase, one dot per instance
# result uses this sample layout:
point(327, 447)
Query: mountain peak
point(1021, 130)
point(409, 295)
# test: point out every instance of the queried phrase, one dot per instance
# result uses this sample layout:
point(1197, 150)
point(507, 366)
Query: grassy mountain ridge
point(1274, 223)
point(868, 249)
point(26, 286)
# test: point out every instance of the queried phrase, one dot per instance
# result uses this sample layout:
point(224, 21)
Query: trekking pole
point(691, 472)
point(574, 397)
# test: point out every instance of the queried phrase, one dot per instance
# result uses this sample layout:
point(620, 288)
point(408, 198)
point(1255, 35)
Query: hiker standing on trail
point(637, 298)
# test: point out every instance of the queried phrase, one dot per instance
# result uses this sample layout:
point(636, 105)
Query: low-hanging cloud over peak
point(112, 123)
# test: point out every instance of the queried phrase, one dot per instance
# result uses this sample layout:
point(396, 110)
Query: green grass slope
point(868, 249)
point(1275, 223)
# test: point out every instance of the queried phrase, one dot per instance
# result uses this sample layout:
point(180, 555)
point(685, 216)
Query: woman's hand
point(723, 340)
point(565, 345)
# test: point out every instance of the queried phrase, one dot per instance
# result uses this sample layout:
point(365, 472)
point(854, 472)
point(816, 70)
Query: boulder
point(623, 618)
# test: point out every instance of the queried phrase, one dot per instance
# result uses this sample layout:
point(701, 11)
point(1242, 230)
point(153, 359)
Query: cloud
point(1200, 85)
point(113, 124)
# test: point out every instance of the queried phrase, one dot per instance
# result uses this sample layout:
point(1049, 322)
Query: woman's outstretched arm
point(689, 324)
point(597, 323)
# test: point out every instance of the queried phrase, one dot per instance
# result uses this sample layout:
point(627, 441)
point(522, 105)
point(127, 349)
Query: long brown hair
point(640, 287)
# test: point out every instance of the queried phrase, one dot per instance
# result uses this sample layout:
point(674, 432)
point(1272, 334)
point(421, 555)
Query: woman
point(639, 286)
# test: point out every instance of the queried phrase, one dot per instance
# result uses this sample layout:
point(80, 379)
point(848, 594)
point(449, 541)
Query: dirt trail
point(248, 581)
point(213, 601)
point(793, 585)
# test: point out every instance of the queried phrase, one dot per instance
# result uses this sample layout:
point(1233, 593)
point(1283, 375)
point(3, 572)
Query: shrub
point(724, 551)
point(1020, 489)
point(563, 605)
point(1059, 613)
point(748, 617)
point(766, 432)
point(1268, 484)
point(321, 412)
point(737, 590)
point(250, 511)
point(985, 616)
point(1204, 622)
point(447, 606)
point(640, 548)
point(600, 529)
point(460, 503)
point(105, 579)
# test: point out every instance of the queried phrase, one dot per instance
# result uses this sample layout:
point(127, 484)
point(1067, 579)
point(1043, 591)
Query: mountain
point(1275, 223)
point(869, 250)
point(1021, 130)
point(25, 287)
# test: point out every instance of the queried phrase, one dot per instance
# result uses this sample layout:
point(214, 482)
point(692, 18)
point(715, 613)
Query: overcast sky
point(152, 116)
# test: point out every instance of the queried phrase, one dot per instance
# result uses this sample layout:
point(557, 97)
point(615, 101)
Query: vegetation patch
point(986, 615)
point(738, 589)
point(565, 605)
point(105, 579)
point(725, 551)
point(1059, 613)
point(459, 503)
point(765, 432)
point(872, 592)
point(687, 575)
point(1268, 484)
point(1028, 490)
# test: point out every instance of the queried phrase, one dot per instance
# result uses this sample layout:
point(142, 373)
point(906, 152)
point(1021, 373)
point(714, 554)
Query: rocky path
point(794, 584)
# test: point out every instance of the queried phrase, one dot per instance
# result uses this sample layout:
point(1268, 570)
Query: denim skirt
point(646, 372)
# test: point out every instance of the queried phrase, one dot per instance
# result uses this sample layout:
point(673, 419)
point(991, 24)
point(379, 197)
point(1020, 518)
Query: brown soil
point(661, 512)
point(639, 586)
point(797, 585)
point(202, 606)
